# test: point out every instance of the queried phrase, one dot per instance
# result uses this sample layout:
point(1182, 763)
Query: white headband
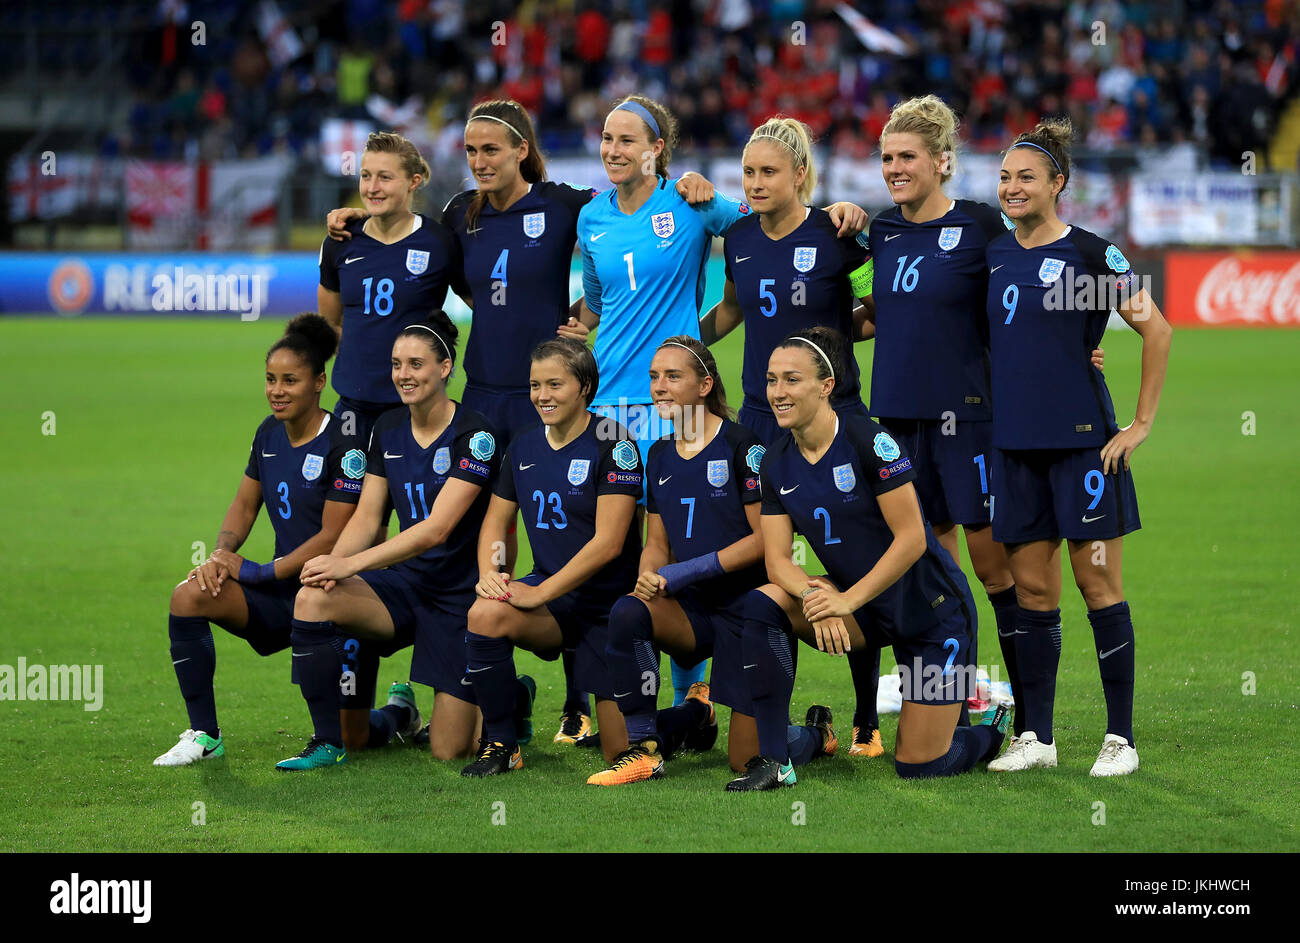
point(693, 354)
point(501, 120)
point(778, 140)
point(437, 335)
point(820, 351)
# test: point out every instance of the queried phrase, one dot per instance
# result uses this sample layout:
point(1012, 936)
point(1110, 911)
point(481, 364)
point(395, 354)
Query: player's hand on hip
point(832, 636)
point(694, 189)
point(493, 586)
point(575, 329)
point(1123, 445)
point(649, 585)
point(336, 221)
point(849, 219)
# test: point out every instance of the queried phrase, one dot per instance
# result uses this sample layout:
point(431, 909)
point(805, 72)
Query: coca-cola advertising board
point(1256, 289)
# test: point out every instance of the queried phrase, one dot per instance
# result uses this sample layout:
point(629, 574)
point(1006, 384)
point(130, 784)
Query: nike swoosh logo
point(268, 455)
point(894, 236)
point(788, 490)
point(995, 268)
point(523, 467)
point(662, 480)
point(474, 671)
point(751, 666)
point(209, 752)
point(783, 774)
point(302, 654)
point(745, 259)
point(624, 694)
point(353, 259)
point(468, 684)
point(398, 455)
point(1089, 520)
point(1010, 634)
point(596, 235)
point(180, 662)
point(1112, 651)
point(340, 758)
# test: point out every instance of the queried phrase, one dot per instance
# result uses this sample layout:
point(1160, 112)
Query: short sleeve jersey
point(833, 504)
point(786, 285)
point(466, 450)
point(1047, 310)
point(701, 501)
point(929, 287)
point(517, 270)
point(557, 491)
point(385, 288)
point(644, 275)
point(297, 481)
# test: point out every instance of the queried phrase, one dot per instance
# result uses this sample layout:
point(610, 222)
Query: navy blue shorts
point(509, 412)
point(270, 615)
point(717, 634)
point(584, 623)
point(364, 416)
point(935, 666)
point(1049, 494)
point(434, 623)
point(761, 421)
point(953, 472)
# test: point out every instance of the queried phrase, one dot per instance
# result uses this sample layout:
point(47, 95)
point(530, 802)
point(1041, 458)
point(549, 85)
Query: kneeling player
point(434, 461)
point(308, 473)
point(702, 499)
point(844, 483)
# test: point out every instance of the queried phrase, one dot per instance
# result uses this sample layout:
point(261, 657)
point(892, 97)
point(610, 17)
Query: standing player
point(578, 493)
point(1061, 465)
point(846, 485)
point(644, 253)
point(703, 554)
point(434, 462)
point(308, 474)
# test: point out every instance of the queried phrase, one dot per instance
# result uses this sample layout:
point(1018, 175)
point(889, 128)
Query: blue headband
point(644, 114)
point(1041, 148)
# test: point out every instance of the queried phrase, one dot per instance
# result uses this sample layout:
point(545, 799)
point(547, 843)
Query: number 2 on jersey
point(821, 514)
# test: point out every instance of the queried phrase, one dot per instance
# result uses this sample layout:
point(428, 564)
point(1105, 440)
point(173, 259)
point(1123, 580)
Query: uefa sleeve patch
point(482, 446)
point(886, 447)
point(625, 455)
point(354, 463)
point(1115, 260)
point(754, 457)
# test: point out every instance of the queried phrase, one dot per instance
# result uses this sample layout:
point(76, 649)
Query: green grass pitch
point(152, 420)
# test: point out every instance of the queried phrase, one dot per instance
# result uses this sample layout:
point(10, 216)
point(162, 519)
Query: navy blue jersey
point(556, 490)
point(1047, 311)
point(929, 289)
point(833, 504)
point(296, 482)
point(788, 284)
point(701, 501)
point(467, 450)
point(517, 269)
point(385, 288)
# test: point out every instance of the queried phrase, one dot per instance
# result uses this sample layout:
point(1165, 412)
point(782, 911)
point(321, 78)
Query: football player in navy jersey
point(434, 462)
point(703, 554)
point(308, 474)
point(576, 478)
point(392, 272)
point(644, 254)
point(1061, 461)
point(846, 485)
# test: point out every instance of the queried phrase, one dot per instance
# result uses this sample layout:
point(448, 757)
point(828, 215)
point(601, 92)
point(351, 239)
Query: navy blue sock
point(633, 666)
point(672, 724)
point(385, 722)
point(318, 658)
point(766, 646)
point(1038, 653)
point(194, 658)
point(492, 669)
point(864, 666)
point(970, 745)
point(1112, 631)
point(1006, 611)
point(802, 743)
point(575, 701)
